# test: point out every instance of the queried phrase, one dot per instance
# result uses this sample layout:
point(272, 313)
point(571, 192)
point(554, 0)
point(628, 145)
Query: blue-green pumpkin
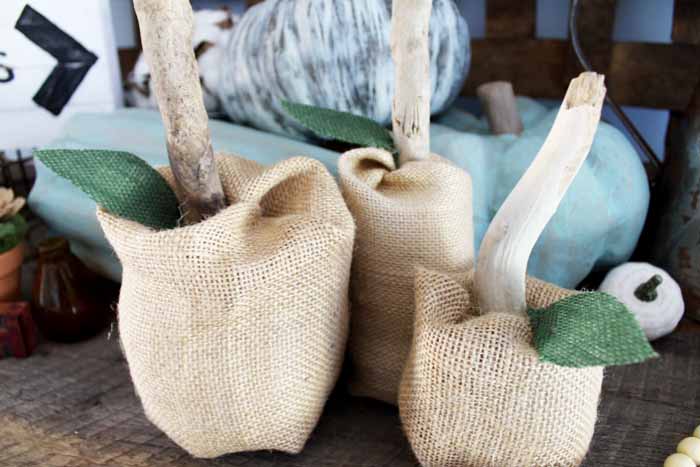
point(599, 221)
point(596, 226)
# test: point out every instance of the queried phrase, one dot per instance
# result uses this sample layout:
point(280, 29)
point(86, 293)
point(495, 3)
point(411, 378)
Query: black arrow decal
point(74, 60)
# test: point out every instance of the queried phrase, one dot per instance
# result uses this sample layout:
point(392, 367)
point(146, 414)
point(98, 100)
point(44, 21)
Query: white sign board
point(57, 58)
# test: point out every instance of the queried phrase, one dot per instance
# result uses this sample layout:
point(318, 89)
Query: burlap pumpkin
point(417, 215)
point(235, 328)
point(474, 392)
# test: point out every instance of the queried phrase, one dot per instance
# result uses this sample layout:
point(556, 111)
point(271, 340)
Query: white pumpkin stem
point(410, 24)
point(502, 265)
point(166, 33)
point(501, 109)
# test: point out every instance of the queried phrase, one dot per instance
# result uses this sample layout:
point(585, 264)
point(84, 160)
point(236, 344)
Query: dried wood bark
point(501, 109)
point(410, 23)
point(166, 33)
point(502, 265)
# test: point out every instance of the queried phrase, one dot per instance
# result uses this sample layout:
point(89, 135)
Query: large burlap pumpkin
point(475, 393)
point(234, 328)
point(416, 215)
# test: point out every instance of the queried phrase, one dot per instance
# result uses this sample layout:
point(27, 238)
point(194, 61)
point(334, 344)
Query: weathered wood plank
point(654, 75)
point(75, 405)
point(686, 22)
point(535, 67)
point(643, 74)
point(508, 19)
point(595, 24)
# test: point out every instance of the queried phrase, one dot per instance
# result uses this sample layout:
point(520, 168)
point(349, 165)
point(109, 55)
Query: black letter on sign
point(74, 60)
point(6, 75)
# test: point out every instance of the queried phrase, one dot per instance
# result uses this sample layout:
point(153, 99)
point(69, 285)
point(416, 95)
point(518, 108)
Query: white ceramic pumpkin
point(650, 293)
point(334, 54)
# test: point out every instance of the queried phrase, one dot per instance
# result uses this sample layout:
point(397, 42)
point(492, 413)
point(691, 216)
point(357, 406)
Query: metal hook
point(651, 161)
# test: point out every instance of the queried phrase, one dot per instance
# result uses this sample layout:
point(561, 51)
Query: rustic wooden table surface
point(74, 405)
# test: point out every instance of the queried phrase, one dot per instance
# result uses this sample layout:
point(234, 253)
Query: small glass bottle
point(70, 302)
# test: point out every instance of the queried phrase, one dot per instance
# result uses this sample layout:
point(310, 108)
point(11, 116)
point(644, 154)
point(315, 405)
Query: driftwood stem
point(501, 109)
point(505, 250)
point(410, 23)
point(166, 33)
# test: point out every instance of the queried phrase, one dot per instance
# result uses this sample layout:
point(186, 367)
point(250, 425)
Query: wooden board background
point(652, 75)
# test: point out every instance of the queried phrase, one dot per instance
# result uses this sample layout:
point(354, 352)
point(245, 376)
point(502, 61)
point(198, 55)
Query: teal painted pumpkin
point(599, 221)
point(596, 226)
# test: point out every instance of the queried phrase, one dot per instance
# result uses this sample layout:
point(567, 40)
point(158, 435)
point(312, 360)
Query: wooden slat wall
point(595, 26)
point(535, 67)
point(501, 14)
point(648, 75)
point(642, 74)
point(654, 75)
point(686, 22)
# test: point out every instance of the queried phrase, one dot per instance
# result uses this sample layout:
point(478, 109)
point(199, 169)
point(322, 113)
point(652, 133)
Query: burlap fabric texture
point(235, 328)
point(417, 215)
point(474, 392)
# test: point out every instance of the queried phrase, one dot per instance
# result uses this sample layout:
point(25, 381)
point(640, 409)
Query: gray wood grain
point(74, 405)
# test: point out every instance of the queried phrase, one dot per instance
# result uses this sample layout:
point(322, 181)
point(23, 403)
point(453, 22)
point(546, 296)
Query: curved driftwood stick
point(410, 23)
point(505, 250)
point(166, 32)
point(501, 109)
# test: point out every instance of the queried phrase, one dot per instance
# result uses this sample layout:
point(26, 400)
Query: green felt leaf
point(589, 329)
point(341, 126)
point(118, 181)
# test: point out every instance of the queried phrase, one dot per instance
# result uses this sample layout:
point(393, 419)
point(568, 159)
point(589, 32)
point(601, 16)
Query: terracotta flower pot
point(10, 273)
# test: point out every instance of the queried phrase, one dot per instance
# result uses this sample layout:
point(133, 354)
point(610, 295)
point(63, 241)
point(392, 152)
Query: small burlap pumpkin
point(417, 215)
point(474, 392)
point(235, 328)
